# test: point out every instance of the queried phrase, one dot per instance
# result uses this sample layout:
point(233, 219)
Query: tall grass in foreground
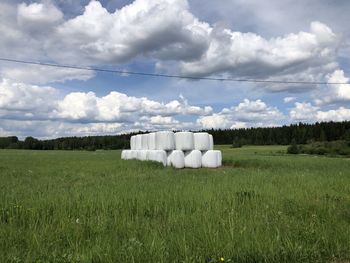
point(263, 206)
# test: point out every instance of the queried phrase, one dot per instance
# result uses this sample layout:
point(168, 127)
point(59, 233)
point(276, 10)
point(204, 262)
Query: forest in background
point(300, 133)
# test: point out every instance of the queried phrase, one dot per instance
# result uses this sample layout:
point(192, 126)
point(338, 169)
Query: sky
point(285, 40)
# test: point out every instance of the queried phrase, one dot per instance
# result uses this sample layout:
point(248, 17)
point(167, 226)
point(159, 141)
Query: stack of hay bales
point(180, 150)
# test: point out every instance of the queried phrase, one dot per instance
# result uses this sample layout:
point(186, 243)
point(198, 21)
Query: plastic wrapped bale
point(124, 154)
point(211, 142)
point(159, 156)
point(176, 159)
point(132, 155)
point(165, 140)
point(144, 141)
point(151, 155)
point(211, 159)
point(184, 141)
point(138, 154)
point(152, 141)
point(132, 142)
point(168, 162)
point(193, 159)
point(201, 141)
point(142, 155)
point(128, 155)
point(138, 142)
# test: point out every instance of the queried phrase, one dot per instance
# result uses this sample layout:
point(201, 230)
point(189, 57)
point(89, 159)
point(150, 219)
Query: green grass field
point(262, 206)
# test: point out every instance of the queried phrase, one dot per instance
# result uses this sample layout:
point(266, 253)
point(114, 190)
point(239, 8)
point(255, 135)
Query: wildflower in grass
point(222, 259)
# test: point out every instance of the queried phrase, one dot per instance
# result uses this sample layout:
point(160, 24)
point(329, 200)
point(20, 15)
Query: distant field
point(262, 206)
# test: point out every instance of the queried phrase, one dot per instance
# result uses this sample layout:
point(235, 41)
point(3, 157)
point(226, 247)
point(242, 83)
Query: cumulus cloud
point(289, 99)
point(245, 114)
point(164, 29)
point(303, 112)
point(46, 129)
point(25, 31)
point(23, 97)
point(340, 114)
point(119, 107)
point(38, 16)
point(15, 41)
point(334, 92)
point(167, 30)
point(42, 74)
point(215, 121)
point(250, 55)
point(115, 111)
point(201, 49)
point(306, 112)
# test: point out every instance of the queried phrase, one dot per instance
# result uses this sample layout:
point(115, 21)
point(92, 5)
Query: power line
point(168, 75)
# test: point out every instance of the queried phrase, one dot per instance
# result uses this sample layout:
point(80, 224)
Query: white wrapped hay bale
point(123, 155)
point(138, 154)
point(132, 142)
point(201, 141)
point(132, 155)
point(159, 156)
point(142, 155)
point(211, 142)
point(165, 140)
point(184, 141)
point(193, 159)
point(138, 142)
point(128, 155)
point(151, 155)
point(176, 159)
point(152, 141)
point(144, 141)
point(168, 162)
point(211, 159)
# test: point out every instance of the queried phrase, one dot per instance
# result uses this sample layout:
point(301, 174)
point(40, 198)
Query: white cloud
point(202, 50)
point(306, 112)
point(15, 41)
point(78, 106)
point(239, 125)
point(334, 92)
point(25, 30)
point(88, 112)
point(340, 114)
point(245, 114)
point(38, 16)
point(289, 99)
point(163, 30)
point(303, 112)
point(215, 121)
point(162, 120)
point(46, 129)
point(119, 107)
point(250, 55)
point(42, 74)
point(23, 97)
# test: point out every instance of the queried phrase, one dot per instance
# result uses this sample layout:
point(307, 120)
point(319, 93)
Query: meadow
point(261, 206)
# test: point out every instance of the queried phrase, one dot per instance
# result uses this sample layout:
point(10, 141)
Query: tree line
point(300, 133)
point(89, 143)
